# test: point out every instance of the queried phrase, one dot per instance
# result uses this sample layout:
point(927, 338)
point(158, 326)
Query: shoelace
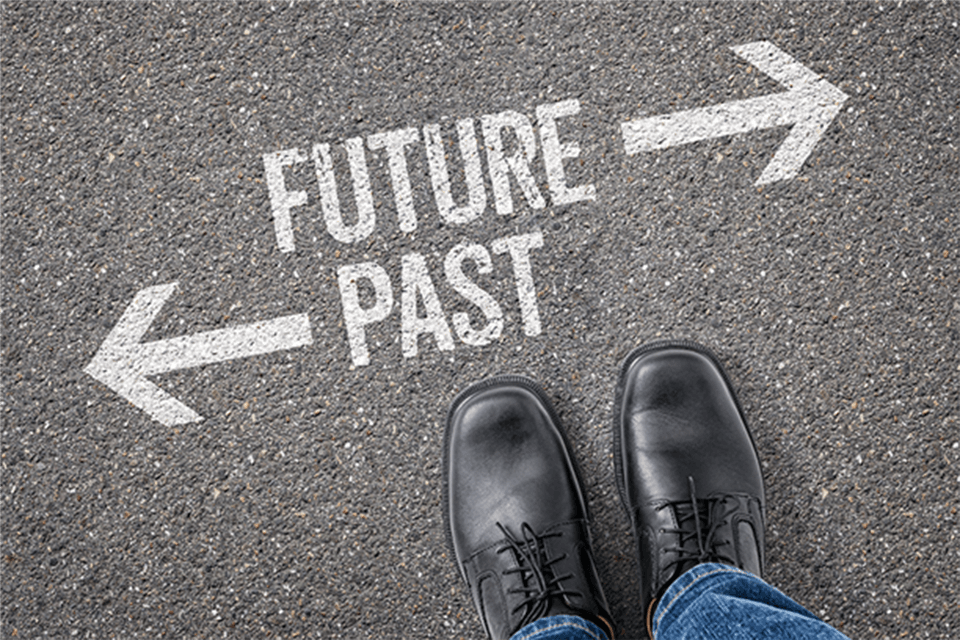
point(708, 516)
point(535, 569)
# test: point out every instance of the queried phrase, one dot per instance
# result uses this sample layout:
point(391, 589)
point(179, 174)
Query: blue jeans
point(710, 601)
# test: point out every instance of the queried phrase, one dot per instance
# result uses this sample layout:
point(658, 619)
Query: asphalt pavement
point(252, 250)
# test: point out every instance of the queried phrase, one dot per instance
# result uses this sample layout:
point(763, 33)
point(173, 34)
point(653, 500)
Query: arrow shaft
point(694, 125)
point(808, 107)
point(211, 347)
point(123, 362)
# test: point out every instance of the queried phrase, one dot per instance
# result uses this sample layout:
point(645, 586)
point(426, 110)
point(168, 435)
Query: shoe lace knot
point(702, 530)
point(539, 581)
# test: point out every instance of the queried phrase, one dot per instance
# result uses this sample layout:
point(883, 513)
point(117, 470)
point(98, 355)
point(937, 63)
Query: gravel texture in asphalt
point(142, 144)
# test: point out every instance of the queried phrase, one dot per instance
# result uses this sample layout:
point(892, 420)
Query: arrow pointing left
point(123, 362)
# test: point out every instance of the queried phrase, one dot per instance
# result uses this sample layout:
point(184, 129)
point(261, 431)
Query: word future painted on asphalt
point(123, 363)
point(417, 285)
point(808, 106)
point(395, 143)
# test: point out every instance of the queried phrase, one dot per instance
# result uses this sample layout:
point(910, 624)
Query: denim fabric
point(715, 601)
point(560, 628)
point(708, 602)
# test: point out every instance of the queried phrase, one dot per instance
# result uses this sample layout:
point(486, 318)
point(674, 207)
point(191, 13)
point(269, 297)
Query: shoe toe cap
point(680, 419)
point(507, 463)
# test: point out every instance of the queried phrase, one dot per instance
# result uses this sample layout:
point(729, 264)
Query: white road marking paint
point(330, 201)
point(123, 362)
point(510, 140)
point(281, 200)
point(440, 176)
point(453, 268)
point(519, 249)
point(809, 105)
point(354, 315)
point(395, 142)
point(417, 285)
point(554, 152)
point(518, 162)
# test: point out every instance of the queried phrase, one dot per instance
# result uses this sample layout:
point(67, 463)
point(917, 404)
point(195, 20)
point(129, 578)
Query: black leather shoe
point(515, 510)
point(687, 468)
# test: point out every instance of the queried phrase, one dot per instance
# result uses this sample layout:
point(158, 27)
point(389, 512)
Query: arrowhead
point(808, 107)
point(813, 106)
point(119, 363)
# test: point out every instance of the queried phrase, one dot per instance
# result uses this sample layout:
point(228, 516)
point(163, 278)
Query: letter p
point(355, 316)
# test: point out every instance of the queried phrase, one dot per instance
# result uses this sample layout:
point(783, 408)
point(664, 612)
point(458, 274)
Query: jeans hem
point(695, 577)
point(544, 627)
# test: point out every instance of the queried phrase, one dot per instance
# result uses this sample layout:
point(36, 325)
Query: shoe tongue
point(560, 608)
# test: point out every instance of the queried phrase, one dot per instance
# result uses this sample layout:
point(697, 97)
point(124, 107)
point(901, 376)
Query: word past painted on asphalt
point(512, 145)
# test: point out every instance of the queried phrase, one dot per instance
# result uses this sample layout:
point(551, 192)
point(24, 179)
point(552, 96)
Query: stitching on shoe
point(667, 606)
point(561, 626)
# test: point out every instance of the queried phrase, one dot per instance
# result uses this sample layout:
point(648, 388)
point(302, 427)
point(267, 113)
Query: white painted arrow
point(810, 105)
point(123, 362)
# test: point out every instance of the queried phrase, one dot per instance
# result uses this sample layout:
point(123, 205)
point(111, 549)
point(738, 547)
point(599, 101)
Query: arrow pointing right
point(810, 106)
